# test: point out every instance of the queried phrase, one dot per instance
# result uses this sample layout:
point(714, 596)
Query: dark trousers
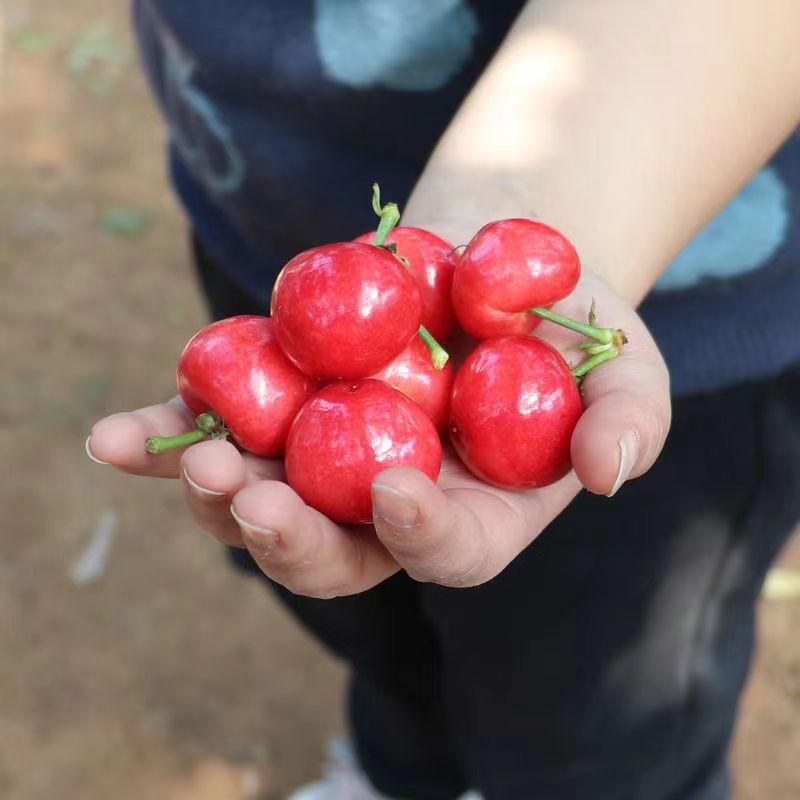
point(606, 662)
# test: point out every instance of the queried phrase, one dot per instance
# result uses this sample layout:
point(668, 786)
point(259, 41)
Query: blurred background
point(134, 662)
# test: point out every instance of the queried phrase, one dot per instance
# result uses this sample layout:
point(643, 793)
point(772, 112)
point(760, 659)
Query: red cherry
point(235, 368)
point(515, 404)
point(345, 435)
point(508, 268)
point(431, 261)
point(345, 310)
point(413, 374)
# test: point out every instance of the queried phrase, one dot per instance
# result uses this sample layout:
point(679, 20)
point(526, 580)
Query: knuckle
point(305, 586)
point(473, 575)
point(440, 556)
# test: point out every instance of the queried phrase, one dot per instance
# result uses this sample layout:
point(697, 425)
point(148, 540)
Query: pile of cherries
point(347, 378)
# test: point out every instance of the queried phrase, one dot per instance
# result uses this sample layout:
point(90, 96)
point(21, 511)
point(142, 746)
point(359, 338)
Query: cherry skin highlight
point(347, 434)
point(413, 374)
point(431, 260)
point(514, 407)
point(344, 311)
point(235, 368)
point(509, 267)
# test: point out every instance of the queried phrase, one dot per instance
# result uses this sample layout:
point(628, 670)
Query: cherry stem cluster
point(208, 426)
point(604, 344)
point(389, 216)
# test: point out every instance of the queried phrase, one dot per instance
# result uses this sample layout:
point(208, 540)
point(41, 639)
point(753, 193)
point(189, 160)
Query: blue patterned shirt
point(282, 114)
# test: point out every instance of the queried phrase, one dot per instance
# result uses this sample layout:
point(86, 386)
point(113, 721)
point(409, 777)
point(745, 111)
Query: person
point(551, 643)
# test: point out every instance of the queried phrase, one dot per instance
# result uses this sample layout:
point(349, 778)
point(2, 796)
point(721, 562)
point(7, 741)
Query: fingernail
point(628, 453)
point(91, 454)
point(201, 490)
point(253, 529)
point(394, 507)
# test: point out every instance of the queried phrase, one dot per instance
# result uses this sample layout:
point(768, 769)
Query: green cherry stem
point(602, 335)
point(611, 340)
point(439, 356)
point(208, 425)
point(389, 216)
point(596, 360)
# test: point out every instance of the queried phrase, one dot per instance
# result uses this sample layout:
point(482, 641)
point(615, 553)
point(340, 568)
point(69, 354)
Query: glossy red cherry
point(508, 268)
point(515, 404)
point(345, 310)
point(348, 433)
point(431, 260)
point(413, 374)
point(236, 369)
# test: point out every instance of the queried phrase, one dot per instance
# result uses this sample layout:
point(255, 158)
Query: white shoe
point(345, 780)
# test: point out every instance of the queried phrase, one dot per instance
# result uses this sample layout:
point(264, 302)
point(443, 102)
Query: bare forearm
point(626, 124)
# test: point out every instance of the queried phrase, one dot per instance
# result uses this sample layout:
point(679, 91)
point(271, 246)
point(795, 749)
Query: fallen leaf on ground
point(124, 220)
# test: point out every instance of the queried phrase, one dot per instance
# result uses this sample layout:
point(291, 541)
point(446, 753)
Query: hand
point(459, 532)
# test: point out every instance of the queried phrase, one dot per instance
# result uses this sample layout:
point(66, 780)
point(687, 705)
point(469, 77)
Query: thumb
point(434, 538)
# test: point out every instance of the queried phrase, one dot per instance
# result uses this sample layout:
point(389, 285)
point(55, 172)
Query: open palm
point(457, 532)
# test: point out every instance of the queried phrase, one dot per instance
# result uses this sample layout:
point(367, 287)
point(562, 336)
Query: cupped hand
point(457, 532)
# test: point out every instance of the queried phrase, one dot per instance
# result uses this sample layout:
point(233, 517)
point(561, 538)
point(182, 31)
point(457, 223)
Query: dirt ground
point(169, 676)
